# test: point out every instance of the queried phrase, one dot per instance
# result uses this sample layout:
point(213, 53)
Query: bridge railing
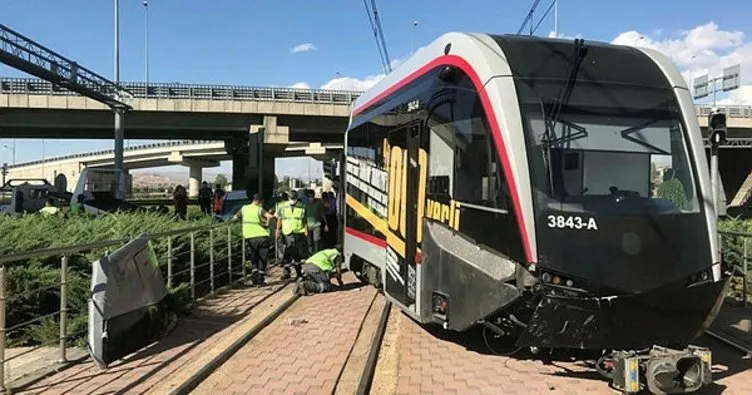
point(731, 110)
point(200, 260)
point(31, 86)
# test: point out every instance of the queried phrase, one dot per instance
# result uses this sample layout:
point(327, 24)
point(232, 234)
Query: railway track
point(192, 382)
point(325, 343)
point(731, 341)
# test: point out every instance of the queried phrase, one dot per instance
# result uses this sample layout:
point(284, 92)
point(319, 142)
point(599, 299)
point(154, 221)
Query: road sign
point(731, 78)
point(701, 87)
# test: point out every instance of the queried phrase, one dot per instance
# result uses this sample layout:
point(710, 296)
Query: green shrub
point(673, 190)
point(733, 253)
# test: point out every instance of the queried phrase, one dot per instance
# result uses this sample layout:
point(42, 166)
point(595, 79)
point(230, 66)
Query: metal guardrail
point(174, 143)
point(731, 110)
point(224, 266)
point(31, 86)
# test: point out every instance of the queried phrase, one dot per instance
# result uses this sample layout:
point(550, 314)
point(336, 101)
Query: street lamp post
point(415, 24)
point(146, 45)
point(339, 76)
point(119, 129)
point(12, 149)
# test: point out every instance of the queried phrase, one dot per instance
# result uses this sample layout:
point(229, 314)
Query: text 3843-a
point(571, 222)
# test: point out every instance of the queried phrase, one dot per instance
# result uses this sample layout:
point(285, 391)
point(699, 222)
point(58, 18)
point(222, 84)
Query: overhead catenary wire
point(378, 34)
point(545, 14)
point(529, 17)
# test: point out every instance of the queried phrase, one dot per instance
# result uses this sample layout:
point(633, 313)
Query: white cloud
point(307, 47)
point(701, 50)
point(353, 84)
point(553, 34)
point(300, 85)
point(362, 84)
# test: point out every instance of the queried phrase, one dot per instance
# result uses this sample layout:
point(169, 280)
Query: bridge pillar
point(253, 157)
point(194, 180)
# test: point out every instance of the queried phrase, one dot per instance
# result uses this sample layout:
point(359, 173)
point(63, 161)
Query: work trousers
point(295, 252)
point(314, 239)
point(315, 280)
point(257, 249)
point(205, 206)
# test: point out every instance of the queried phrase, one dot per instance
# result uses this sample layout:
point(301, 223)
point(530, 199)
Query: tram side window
point(441, 177)
point(479, 174)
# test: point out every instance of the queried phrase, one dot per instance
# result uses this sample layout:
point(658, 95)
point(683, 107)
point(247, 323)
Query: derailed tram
point(554, 191)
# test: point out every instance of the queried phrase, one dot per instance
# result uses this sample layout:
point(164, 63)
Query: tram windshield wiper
point(580, 51)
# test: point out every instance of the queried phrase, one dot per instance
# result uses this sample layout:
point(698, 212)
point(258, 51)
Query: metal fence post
point(211, 259)
point(193, 266)
point(744, 275)
point(242, 257)
point(2, 327)
point(229, 252)
point(169, 261)
point(63, 306)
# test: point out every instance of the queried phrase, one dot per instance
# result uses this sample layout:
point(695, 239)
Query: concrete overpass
point(195, 155)
point(32, 108)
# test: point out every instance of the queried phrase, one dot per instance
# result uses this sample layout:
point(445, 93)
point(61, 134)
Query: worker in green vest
point(291, 225)
point(77, 207)
point(256, 237)
point(318, 269)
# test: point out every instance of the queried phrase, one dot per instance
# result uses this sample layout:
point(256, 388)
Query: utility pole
point(119, 129)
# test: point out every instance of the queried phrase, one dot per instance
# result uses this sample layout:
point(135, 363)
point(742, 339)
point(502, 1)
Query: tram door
point(402, 214)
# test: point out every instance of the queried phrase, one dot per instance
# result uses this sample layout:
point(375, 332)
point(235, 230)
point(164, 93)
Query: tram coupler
point(663, 370)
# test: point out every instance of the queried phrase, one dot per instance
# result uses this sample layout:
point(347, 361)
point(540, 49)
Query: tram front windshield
point(623, 154)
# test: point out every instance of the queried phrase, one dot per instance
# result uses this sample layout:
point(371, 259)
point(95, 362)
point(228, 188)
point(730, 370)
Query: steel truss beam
point(28, 56)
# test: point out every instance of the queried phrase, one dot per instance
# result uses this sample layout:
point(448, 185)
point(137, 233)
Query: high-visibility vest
point(292, 219)
point(252, 222)
point(279, 207)
point(324, 259)
point(49, 210)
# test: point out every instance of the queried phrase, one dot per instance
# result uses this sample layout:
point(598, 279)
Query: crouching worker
point(317, 271)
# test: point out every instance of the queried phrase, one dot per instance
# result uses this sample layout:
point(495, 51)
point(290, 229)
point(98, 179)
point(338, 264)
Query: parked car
point(231, 204)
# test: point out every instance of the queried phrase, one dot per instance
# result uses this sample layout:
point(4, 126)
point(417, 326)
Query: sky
point(330, 44)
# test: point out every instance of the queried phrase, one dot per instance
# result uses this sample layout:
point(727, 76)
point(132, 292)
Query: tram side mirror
point(717, 127)
point(449, 75)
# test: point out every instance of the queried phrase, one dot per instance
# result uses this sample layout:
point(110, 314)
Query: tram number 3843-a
point(571, 222)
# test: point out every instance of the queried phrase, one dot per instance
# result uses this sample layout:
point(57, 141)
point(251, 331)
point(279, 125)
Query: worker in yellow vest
point(256, 237)
point(291, 225)
point(318, 269)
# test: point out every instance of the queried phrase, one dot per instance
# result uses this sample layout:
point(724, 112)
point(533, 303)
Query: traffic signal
point(330, 169)
point(717, 127)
